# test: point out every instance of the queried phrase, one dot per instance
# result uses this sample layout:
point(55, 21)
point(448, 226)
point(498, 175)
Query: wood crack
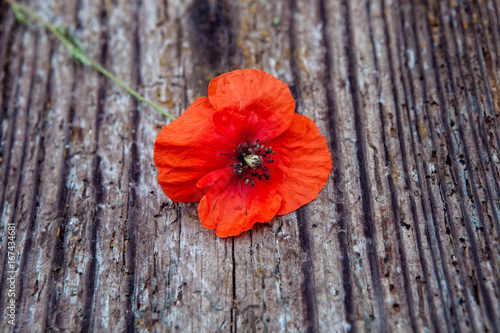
point(454, 173)
point(369, 226)
point(98, 189)
point(338, 181)
point(18, 184)
point(392, 186)
point(419, 162)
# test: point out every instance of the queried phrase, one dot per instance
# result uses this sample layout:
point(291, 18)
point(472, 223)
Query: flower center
point(251, 160)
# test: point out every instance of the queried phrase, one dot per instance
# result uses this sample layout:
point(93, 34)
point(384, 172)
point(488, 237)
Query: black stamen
point(254, 169)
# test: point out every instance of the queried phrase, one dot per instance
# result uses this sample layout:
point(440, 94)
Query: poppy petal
point(302, 164)
point(258, 93)
point(219, 177)
point(180, 185)
point(189, 148)
point(231, 206)
point(240, 127)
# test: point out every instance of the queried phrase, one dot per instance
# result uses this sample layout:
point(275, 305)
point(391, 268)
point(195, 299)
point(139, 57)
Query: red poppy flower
point(243, 153)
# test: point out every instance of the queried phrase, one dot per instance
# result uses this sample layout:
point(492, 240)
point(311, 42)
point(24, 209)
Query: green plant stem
point(78, 53)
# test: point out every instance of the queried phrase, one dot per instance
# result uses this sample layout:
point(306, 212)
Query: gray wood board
point(404, 237)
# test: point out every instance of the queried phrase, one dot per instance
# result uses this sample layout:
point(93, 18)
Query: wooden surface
point(404, 237)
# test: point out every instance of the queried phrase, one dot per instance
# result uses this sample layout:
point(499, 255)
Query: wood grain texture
point(404, 237)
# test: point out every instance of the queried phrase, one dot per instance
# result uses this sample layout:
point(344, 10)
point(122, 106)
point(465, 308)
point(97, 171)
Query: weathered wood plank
point(404, 237)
